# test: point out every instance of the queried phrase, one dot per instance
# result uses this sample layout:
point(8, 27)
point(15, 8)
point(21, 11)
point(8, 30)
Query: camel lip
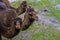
point(17, 27)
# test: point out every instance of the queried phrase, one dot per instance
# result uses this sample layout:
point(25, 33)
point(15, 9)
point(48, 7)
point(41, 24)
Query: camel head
point(32, 13)
point(17, 22)
point(24, 4)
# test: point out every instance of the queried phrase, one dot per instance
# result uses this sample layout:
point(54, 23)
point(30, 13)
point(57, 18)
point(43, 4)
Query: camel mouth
point(36, 17)
point(17, 26)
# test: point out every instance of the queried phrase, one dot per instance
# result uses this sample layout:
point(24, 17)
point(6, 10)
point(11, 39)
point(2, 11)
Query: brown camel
point(21, 9)
point(8, 27)
point(7, 17)
point(29, 17)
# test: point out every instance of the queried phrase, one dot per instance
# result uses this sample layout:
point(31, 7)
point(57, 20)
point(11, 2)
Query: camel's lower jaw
point(37, 18)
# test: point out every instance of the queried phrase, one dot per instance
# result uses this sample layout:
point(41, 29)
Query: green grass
point(48, 33)
point(16, 4)
point(54, 13)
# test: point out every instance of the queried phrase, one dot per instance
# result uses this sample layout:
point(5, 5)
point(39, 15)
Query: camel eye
point(30, 14)
point(17, 23)
point(30, 10)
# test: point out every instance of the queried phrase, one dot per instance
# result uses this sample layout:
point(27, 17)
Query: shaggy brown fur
point(7, 27)
point(29, 18)
point(12, 31)
point(7, 23)
point(8, 19)
point(21, 9)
